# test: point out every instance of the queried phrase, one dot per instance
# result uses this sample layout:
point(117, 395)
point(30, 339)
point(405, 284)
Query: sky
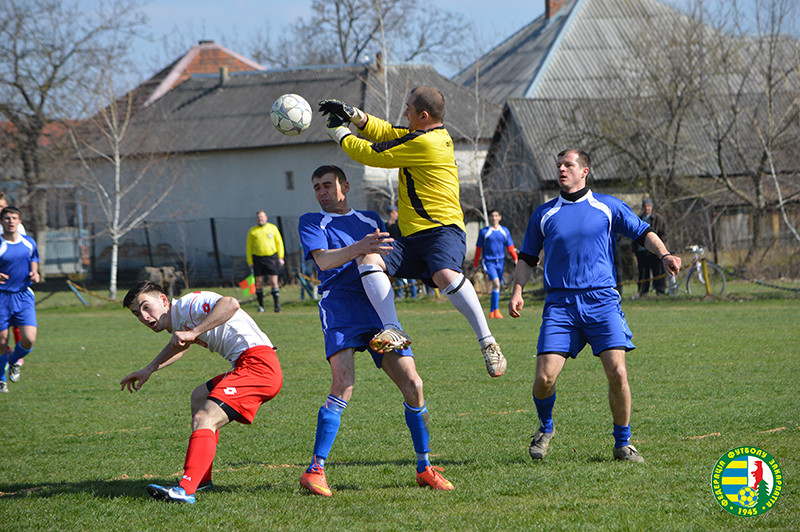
point(230, 22)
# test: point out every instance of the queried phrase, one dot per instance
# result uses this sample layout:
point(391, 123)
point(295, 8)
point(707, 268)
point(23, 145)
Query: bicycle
point(703, 277)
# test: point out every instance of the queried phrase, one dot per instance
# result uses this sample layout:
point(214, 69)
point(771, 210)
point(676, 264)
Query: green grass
point(708, 376)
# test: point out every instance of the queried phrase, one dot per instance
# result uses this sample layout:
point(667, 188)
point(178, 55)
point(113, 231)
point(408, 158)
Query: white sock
point(379, 292)
point(462, 295)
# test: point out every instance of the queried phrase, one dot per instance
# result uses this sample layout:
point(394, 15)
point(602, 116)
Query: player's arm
point(411, 151)
point(654, 244)
point(513, 251)
point(522, 273)
point(169, 355)
point(223, 310)
point(375, 242)
point(477, 260)
point(35, 272)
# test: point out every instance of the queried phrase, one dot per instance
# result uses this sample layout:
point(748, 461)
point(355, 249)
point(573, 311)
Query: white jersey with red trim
point(230, 339)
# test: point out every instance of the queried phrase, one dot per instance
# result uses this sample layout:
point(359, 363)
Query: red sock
point(207, 476)
point(199, 457)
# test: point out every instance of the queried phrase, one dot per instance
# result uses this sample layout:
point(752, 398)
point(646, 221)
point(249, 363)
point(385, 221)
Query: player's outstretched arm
point(169, 355)
point(522, 272)
point(375, 242)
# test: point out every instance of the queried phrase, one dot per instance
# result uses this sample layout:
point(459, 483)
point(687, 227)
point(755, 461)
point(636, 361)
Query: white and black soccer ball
point(291, 114)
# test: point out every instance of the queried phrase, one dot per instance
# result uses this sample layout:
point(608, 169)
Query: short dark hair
point(583, 158)
point(142, 287)
point(430, 100)
point(492, 211)
point(10, 209)
point(330, 169)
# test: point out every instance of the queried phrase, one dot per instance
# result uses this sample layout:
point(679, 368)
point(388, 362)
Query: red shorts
point(256, 378)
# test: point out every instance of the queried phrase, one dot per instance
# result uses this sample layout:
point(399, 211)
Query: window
point(290, 180)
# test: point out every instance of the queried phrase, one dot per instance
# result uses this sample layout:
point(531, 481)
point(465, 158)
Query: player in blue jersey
point(19, 268)
point(333, 238)
point(490, 252)
point(577, 230)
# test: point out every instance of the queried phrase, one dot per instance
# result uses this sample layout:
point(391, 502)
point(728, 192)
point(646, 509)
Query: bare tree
point(346, 31)
point(128, 185)
point(49, 51)
point(754, 126)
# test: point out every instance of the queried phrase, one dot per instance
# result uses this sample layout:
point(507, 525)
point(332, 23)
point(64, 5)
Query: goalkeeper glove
point(336, 128)
point(345, 111)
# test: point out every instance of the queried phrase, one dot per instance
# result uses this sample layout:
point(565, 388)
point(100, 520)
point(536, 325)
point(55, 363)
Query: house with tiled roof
point(214, 130)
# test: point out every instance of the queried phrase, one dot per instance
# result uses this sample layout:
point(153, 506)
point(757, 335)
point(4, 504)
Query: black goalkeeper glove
point(336, 128)
point(345, 111)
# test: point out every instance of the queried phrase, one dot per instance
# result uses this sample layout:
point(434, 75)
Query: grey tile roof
point(591, 49)
point(204, 114)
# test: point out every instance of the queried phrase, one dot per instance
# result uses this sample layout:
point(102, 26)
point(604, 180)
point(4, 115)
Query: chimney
point(379, 62)
point(223, 75)
point(551, 7)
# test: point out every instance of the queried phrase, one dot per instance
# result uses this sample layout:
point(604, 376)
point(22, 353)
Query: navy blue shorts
point(422, 254)
point(494, 268)
point(17, 308)
point(572, 319)
point(349, 321)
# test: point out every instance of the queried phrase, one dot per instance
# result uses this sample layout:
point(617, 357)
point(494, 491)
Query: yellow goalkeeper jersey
point(263, 241)
point(428, 194)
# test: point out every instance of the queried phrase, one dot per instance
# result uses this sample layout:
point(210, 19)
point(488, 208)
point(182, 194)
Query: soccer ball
point(291, 114)
point(747, 497)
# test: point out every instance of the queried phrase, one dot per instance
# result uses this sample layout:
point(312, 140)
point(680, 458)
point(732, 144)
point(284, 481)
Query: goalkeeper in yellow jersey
point(433, 242)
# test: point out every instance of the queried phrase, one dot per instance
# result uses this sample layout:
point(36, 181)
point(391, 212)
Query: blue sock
point(328, 421)
point(495, 300)
point(3, 366)
point(19, 352)
point(622, 435)
point(544, 407)
point(417, 421)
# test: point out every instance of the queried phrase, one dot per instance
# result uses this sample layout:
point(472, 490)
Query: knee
point(544, 383)
point(617, 376)
point(412, 391)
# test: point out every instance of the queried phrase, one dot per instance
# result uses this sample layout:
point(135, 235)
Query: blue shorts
point(349, 321)
point(572, 319)
point(494, 268)
point(17, 308)
point(422, 254)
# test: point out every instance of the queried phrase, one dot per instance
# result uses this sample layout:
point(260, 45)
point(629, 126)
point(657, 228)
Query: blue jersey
point(15, 261)
point(494, 242)
point(322, 230)
point(579, 240)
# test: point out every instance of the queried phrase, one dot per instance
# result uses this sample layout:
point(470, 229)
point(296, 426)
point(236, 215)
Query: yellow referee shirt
point(263, 241)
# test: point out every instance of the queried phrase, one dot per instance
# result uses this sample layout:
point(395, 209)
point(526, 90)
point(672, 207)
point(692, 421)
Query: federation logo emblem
point(747, 481)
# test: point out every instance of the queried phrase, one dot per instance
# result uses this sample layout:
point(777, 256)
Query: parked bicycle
point(701, 278)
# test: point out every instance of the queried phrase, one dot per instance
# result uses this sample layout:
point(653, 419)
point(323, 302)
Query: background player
point(265, 258)
point(19, 268)
point(215, 322)
point(577, 230)
point(334, 238)
point(493, 241)
point(433, 242)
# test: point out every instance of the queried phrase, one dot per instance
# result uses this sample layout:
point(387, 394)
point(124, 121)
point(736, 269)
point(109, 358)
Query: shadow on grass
point(104, 489)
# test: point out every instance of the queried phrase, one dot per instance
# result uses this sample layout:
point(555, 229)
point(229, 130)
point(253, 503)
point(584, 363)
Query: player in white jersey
point(19, 268)
point(577, 233)
point(217, 323)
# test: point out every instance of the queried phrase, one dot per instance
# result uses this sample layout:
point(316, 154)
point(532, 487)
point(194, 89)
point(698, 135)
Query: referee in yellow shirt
point(265, 257)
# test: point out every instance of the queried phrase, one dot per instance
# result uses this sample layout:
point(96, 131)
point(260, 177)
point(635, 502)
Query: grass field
point(708, 376)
